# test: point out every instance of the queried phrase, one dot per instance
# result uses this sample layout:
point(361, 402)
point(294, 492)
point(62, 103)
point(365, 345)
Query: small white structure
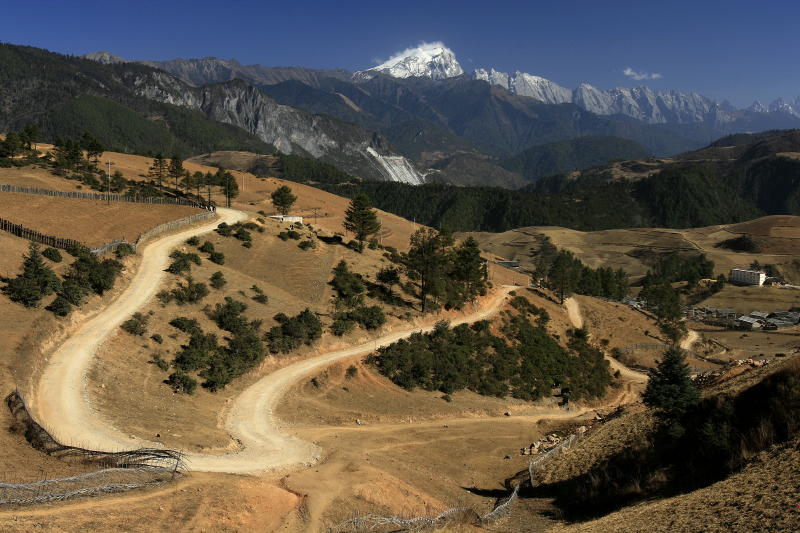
point(747, 277)
point(286, 218)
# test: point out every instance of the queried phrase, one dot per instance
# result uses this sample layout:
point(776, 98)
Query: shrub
point(60, 306)
point(193, 241)
point(182, 262)
point(73, 292)
point(304, 328)
point(224, 229)
point(207, 247)
point(181, 382)
point(247, 244)
point(124, 250)
point(369, 317)
point(157, 338)
point(218, 280)
point(186, 325)
point(242, 234)
point(351, 372)
point(52, 254)
point(742, 243)
point(373, 244)
point(292, 234)
point(260, 297)
point(36, 281)
point(136, 325)
point(283, 236)
point(307, 245)
point(160, 362)
point(348, 286)
point(164, 296)
point(191, 292)
point(342, 325)
point(217, 257)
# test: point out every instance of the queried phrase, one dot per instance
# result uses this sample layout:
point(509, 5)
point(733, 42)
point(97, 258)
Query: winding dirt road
point(61, 401)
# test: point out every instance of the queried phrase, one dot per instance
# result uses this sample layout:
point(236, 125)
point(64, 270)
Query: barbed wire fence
point(108, 472)
point(456, 515)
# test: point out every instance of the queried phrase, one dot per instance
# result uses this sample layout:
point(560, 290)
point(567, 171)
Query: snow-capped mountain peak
point(430, 60)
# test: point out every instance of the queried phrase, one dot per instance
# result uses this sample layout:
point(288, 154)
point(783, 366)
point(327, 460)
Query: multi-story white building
point(747, 277)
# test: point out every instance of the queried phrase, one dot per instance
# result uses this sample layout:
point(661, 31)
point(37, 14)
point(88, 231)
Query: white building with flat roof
point(747, 277)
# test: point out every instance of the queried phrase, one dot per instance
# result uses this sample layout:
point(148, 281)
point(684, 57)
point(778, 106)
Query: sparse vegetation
point(260, 297)
point(217, 280)
point(124, 250)
point(182, 262)
point(136, 325)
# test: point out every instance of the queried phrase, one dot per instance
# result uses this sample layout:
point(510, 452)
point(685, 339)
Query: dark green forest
point(524, 361)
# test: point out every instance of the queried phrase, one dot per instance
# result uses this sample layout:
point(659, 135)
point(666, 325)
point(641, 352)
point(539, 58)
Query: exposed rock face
point(641, 103)
point(527, 85)
point(288, 129)
point(106, 58)
point(197, 72)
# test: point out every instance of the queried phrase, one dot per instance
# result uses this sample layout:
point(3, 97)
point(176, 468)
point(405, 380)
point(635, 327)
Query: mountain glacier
point(430, 60)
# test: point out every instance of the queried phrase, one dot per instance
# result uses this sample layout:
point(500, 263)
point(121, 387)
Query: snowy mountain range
point(436, 61)
point(778, 106)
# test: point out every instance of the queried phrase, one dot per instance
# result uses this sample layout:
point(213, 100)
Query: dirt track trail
point(574, 312)
point(61, 403)
point(691, 338)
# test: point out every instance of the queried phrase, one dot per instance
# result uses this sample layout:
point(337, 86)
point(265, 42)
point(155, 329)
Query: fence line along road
point(105, 196)
point(63, 243)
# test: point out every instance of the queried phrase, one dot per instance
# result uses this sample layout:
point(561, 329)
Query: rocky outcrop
point(289, 129)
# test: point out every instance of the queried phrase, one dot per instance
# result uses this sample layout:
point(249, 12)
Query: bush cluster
point(291, 332)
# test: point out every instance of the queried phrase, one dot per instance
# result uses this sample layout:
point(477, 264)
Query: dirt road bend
point(60, 401)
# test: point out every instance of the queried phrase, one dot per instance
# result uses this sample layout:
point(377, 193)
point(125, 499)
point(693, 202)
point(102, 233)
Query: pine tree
point(361, 219)
point(283, 199)
point(36, 281)
point(564, 274)
point(670, 390)
point(427, 262)
point(175, 169)
point(469, 271)
point(158, 170)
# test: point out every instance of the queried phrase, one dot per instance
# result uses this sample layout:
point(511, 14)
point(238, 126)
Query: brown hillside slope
point(778, 238)
point(762, 497)
point(92, 222)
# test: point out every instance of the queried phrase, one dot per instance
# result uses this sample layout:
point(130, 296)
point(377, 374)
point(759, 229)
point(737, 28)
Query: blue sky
point(736, 50)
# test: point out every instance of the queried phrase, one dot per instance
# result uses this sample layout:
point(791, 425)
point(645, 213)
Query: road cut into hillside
point(60, 402)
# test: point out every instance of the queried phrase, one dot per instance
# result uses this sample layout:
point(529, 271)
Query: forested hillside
point(67, 96)
point(763, 180)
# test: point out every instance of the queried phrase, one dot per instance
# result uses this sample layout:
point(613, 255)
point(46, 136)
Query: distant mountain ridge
point(33, 79)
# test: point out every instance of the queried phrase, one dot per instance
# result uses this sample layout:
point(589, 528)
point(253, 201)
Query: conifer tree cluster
point(444, 273)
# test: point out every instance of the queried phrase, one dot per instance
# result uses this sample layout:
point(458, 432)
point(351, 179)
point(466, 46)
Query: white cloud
point(641, 75)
